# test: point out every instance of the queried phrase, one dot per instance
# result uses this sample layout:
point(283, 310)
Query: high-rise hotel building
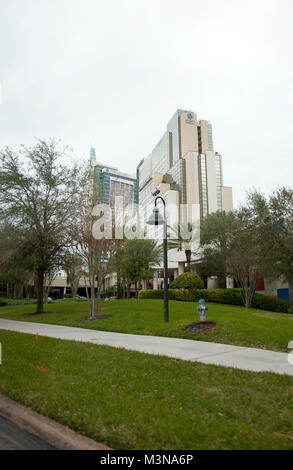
point(110, 184)
point(186, 170)
point(186, 153)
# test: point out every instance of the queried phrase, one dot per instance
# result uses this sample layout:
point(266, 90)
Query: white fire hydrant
point(202, 308)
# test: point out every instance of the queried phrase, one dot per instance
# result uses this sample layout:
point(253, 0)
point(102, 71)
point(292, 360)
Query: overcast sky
point(111, 73)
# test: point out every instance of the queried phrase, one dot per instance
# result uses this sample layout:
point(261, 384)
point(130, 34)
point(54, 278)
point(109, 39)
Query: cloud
point(111, 74)
point(290, 94)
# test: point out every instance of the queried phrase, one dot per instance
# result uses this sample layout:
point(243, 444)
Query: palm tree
point(180, 238)
point(139, 257)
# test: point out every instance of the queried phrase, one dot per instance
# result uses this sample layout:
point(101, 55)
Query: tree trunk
point(247, 297)
point(93, 297)
point(188, 259)
point(47, 292)
point(128, 290)
point(98, 302)
point(92, 305)
point(40, 290)
point(74, 287)
point(88, 297)
point(119, 293)
point(93, 302)
point(247, 303)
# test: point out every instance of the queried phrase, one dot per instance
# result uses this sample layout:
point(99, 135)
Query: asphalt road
point(14, 438)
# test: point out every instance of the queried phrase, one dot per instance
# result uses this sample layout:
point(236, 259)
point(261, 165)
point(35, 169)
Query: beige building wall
point(271, 286)
point(61, 281)
point(227, 199)
point(172, 199)
point(192, 186)
point(164, 187)
point(157, 179)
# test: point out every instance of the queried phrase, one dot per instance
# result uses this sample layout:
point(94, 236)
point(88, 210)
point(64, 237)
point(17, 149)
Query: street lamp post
point(157, 219)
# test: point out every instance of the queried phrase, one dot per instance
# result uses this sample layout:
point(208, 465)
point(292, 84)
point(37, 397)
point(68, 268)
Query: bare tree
point(96, 253)
point(50, 276)
point(74, 268)
point(233, 240)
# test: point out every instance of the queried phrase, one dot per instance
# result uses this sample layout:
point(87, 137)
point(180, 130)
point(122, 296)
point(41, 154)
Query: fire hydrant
point(202, 308)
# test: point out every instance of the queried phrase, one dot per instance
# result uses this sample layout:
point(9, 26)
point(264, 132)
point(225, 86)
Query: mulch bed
point(201, 327)
point(100, 317)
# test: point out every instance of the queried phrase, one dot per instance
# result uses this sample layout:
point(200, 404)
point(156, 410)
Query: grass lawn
point(131, 400)
point(236, 325)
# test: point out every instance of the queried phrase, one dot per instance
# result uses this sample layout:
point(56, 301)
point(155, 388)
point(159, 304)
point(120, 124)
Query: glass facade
point(203, 187)
point(160, 156)
point(166, 158)
point(110, 184)
point(173, 128)
point(144, 171)
point(219, 181)
point(210, 137)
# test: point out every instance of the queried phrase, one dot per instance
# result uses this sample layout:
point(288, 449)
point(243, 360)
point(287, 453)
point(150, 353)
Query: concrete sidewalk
point(257, 360)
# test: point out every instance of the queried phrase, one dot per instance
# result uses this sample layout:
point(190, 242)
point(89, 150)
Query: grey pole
point(166, 303)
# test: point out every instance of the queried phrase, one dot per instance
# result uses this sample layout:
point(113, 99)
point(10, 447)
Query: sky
point(111, 73)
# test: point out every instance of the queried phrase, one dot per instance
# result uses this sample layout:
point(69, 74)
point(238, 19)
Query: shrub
point(221, 296)
point(3, 303)
point(270, 303)
point(187, 281)
point(174, 294)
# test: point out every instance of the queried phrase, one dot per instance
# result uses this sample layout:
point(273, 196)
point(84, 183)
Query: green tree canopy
point(37, 194)
point(232, 240)
point(138, 258)
point(273, 218)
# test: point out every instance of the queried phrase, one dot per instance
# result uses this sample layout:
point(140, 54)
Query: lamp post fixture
point(157, 219)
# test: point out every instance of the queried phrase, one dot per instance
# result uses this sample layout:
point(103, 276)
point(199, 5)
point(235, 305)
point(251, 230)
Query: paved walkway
point(257, 360)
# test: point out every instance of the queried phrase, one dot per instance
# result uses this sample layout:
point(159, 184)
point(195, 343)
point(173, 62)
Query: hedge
point(222, 296)
point(174, 294)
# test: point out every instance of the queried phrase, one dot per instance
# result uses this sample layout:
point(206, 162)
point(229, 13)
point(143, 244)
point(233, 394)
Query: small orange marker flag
point(42, 369)
point(37, 335)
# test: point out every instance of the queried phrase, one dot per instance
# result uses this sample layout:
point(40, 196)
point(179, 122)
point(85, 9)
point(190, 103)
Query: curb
point(58, 436)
